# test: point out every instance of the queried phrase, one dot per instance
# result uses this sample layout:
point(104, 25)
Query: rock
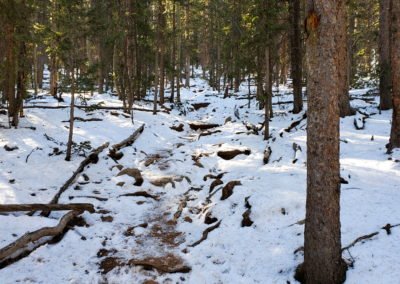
point(107, 219)
point(209, 219)
point(164, 264)
point(227, 191)
point(267, 155)
point(198, 106)
point(10, 148)
point(178, 128)
point(132, 172)
point(230, 154)
point(188, 219)
point(121, 184)
point(215, 183)
point(246, 221)
point(228, 119)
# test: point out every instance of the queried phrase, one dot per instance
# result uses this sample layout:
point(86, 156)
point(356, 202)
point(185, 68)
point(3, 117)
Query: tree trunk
point(162, 50)
point(395, 56)
point(71, 116)
point(9, 76)
point(385, 80)
point(322, 240)
point(296, 55)
point(344, 97)
point(53, 75)
point(267, 92)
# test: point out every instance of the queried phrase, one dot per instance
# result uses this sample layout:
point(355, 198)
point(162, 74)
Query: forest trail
point(195, 209)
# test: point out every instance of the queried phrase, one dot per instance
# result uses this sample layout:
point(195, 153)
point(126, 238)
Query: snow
point(262, 253)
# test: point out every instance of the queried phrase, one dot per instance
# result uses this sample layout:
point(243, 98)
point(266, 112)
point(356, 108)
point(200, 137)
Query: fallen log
point(198, 106)
point(141, 194)
point(80, 207)
point(88, 107)
point(31, 241)
point(202, 126)
point(77, 118)
point(128, 141)
point(92, 158)
point(208, 133)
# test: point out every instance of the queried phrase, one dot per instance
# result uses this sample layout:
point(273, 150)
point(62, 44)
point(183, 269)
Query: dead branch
point(205, 234)
point(47, 207)
point(142, 194)
point(202, 126)
point(92, 158)
point(90, 107)
point(128, 141)
point(360, 239)
point(77, 118)
point(296, 123)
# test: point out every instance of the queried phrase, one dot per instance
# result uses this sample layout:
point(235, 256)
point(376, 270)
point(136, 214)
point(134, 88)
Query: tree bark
point(322, 240)
point(385, 80)
point(71, 117)
point(296, 55)
point(395, 56)
point(344, 97)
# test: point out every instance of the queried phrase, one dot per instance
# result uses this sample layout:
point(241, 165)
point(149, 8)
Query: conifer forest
point(199, 141)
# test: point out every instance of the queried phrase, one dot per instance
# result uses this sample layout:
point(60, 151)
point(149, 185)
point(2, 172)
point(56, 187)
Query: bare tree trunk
point(162, 24)
point(267, 92)
point(385, 80)
point(344, 98)
point(35, 70)
point(296, 55)
point(9, 76)
point(187, 54)
point(395, 56)
point(21, 80)
point(322, 239)
point(71, 117)
point(53, 75)
point(173, 59)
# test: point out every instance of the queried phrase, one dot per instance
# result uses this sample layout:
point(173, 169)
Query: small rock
point(188, 219)
point(10, 148)
point(132, 172)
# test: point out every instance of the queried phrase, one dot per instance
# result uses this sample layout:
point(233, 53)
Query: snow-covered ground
point(129, 230)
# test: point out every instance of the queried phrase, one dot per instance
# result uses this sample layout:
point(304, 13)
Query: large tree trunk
point(322, 240)
point(395, 56)
point(296, 55)
point(385, 80)
point(344, 98)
